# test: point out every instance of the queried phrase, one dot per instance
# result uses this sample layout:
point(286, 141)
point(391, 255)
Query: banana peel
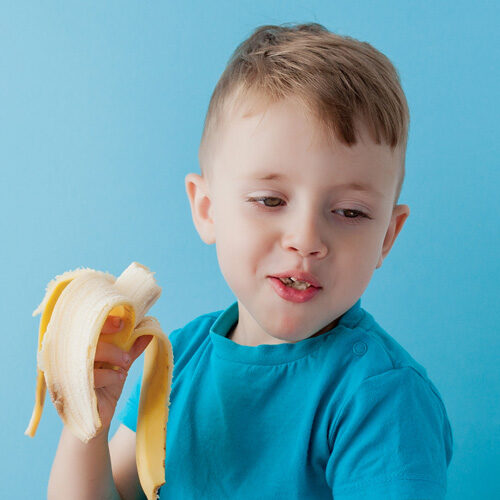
point(73, 311)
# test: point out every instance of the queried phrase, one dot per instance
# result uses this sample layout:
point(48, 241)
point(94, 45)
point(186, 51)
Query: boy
point(294, 391)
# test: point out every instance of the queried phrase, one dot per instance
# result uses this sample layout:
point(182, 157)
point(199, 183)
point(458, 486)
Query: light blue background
point(102, 107)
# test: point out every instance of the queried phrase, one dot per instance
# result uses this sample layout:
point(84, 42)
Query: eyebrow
point(354, 186)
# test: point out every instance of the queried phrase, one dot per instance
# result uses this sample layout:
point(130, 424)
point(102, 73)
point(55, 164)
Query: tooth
point(297, 284)
point(74, 309)
point(301, 286)
point(295, 280)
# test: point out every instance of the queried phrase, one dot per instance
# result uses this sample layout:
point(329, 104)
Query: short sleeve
point(392, 441)
point(128, 414)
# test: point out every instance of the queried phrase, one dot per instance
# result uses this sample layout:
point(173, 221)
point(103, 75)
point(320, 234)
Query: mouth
point(293, 292)
point(296, 284)
point(300, 280)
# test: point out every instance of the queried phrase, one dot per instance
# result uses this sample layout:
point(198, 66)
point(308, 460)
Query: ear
point(399, 214)
point(201, 207)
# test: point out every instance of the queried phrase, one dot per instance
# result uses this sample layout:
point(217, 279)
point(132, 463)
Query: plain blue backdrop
point(101, 112)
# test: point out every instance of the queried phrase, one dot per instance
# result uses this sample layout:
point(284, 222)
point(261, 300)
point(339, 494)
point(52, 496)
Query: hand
point(108, 383)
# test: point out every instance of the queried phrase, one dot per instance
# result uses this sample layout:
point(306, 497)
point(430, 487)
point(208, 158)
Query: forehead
point(282, 142)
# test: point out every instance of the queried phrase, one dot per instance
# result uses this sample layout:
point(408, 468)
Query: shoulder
point(380, 373)
point(369, 356)
point(372, 351)
point(189, 338)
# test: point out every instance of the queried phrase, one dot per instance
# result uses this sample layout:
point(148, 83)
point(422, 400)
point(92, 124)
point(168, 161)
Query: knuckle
point(112, 354)
point(104, 377)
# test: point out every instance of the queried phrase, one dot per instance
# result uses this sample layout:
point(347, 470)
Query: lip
point(300, 275)
point(291, 294)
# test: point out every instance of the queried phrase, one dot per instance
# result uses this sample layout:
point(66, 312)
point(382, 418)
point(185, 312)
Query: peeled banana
point(74, 309)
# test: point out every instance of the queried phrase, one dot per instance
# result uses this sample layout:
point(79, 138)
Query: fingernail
point(126, 357)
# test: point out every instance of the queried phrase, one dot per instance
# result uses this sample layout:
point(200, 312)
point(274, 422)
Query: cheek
point(237, 226)
point(357, 257)
point(241, 249)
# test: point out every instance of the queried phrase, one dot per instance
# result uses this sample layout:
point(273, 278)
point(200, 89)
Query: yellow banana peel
point(73, 312)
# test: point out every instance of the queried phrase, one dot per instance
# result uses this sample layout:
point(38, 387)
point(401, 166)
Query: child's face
point(307, 224)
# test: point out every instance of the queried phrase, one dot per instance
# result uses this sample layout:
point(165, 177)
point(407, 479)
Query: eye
point(352, 215)
point(264, 198)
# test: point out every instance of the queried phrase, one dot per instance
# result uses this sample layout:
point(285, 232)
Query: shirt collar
point(268, 354)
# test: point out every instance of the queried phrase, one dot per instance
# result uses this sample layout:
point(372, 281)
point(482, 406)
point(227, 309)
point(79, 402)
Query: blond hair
point(338, 79)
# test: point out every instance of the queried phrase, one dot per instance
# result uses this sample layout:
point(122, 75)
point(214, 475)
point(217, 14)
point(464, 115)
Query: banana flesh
point(74, 309)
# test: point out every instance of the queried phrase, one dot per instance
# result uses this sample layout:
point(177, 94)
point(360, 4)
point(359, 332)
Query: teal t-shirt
point(346, 415)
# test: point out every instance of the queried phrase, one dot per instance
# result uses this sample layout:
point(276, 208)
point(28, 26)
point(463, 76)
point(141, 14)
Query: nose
point(303, 236)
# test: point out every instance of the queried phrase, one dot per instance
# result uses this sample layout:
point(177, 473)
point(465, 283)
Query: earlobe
point(399, 215)
point(201, 208)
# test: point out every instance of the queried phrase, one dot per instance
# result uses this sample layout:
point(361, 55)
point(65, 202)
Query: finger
point(104, 377)
point(139, 346)
point(110, 353)
point(110, 392)
point(112, 324)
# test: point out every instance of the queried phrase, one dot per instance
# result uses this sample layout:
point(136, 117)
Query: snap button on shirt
point(359, 348)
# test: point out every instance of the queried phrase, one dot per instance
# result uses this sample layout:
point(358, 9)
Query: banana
point(73, 311)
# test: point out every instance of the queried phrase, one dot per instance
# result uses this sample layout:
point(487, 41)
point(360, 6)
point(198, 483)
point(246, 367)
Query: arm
point(392, 439)
point(82, 471)
point(89, 470)
point(122, 450)
point(96, 470)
